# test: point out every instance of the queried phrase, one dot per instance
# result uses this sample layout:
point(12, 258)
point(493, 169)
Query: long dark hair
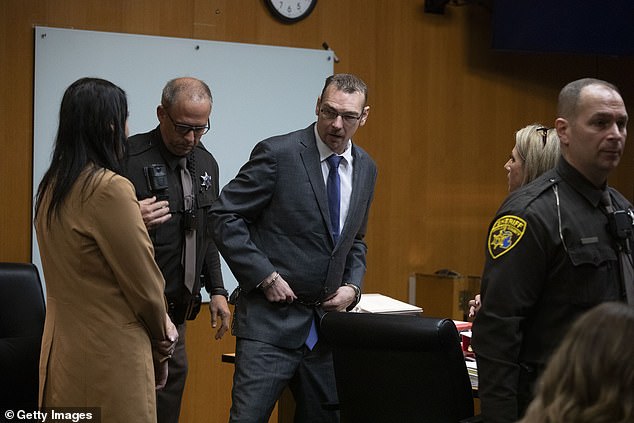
point(92, 122)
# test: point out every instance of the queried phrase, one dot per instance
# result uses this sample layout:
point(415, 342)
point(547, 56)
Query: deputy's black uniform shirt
point(147, 149)
point(545, 265)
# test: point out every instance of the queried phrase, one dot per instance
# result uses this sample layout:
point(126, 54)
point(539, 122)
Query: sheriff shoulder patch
point(505, 234)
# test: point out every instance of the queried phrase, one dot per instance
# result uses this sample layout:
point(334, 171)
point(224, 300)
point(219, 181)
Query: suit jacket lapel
point(358, 172)
point(312, 164)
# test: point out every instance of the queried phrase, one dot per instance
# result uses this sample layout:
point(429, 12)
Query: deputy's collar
point(579, 182)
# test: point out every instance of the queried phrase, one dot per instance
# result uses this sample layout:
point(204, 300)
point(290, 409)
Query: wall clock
point(290, 11)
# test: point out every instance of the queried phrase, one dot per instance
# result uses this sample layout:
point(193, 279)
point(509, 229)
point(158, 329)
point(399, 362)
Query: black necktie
point(333, 188)
point(189, 247)
point(627, 272)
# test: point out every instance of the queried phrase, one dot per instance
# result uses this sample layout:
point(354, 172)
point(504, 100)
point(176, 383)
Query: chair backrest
point(396, 368)
point(22, 312)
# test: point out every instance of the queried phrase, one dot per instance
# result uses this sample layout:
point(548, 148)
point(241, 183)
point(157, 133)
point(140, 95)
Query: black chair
point(22, 313)
point(396, 368)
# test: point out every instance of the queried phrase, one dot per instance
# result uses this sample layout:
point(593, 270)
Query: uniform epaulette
point(510, 224)
point(524, 196)
point(619, 200)
point(139, 145)
point(202, 147)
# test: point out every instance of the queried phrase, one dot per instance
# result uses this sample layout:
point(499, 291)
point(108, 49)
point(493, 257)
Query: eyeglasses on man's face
point(349, 119)
point(182, 129)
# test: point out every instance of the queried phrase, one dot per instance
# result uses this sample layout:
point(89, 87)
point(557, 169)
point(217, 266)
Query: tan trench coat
point(104, 303)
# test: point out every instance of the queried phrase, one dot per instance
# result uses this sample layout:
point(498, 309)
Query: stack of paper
point(472, 369)
point(377, 303)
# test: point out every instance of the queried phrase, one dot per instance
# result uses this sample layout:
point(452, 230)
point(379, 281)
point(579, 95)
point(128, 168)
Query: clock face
point(291, 10)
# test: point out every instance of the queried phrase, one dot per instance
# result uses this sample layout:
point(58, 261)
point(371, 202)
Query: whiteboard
point(258, 91)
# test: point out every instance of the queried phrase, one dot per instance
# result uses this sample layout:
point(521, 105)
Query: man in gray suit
point(297, 250)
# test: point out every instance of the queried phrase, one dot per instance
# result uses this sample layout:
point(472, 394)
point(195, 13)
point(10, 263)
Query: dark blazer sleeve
point(241, 202)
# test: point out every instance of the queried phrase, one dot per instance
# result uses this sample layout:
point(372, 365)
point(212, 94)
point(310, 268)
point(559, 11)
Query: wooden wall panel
point(16, 120)
point(444, 108)
point(207, 395)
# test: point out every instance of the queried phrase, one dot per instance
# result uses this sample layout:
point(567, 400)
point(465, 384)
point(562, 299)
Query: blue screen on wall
point(602, 27)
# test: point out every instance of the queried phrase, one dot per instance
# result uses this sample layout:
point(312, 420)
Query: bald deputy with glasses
point(291, 226)
point(176, 181)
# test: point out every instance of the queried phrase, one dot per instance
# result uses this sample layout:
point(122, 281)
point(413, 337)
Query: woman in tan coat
point(107, 334)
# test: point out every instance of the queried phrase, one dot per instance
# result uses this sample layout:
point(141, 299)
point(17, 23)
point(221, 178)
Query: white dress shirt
point(345, 175)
